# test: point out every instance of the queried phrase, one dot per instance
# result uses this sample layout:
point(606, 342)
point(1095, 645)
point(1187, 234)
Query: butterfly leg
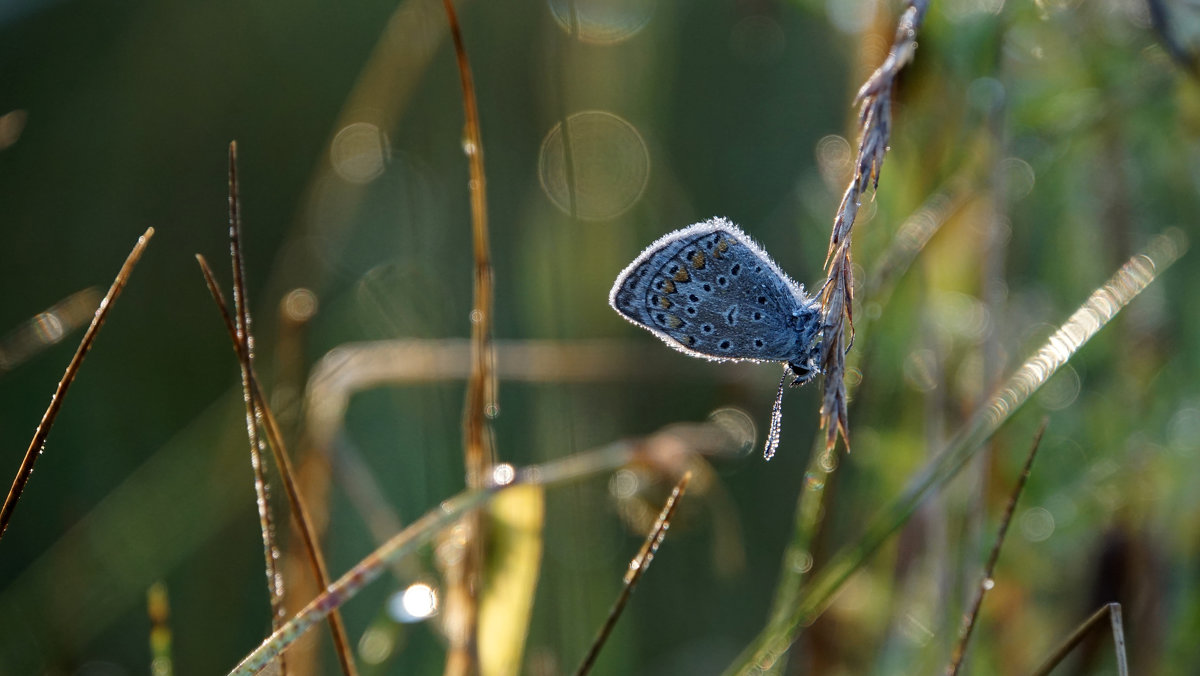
point(804, 371)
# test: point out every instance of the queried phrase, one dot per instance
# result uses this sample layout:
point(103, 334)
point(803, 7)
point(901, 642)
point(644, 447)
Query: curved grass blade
point(1104, 303)
point(38, 443)
point(462, 603)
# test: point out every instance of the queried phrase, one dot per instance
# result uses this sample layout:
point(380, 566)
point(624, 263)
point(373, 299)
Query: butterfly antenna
point(776, 420)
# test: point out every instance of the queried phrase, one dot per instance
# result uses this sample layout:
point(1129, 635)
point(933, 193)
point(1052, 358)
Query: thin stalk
point(38, 443)
point(637, 568)
point(244, 345)
point(316, 560)
point(874, 102)
point(1111, 611)
point(989, 568)
point(481, 386)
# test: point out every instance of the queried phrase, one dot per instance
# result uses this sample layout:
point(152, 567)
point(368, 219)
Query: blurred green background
point(1060, 134)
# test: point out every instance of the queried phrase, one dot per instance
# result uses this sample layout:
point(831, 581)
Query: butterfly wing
point(709, 291)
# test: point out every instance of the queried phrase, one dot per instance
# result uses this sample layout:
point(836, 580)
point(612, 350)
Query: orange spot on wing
point(698, 260)
point(682, 275)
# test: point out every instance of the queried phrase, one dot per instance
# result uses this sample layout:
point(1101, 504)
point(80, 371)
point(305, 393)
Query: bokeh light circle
point(609, 165)
point(602, 22)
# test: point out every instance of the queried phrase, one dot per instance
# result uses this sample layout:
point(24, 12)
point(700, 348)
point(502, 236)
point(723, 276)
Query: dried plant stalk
point(1111, 612)
point(244, 345)
point(874, 101)
point(462, 605)
point(637, 568)
point(316, 560)
point(43, 429)
point(989, 568)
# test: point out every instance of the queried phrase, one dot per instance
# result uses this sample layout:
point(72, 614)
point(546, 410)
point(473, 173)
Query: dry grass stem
point(874, 101)
point(637, 568)
point(989, 568)
point(244, 345)
point(316, 560)
point(38, 443)
point(462, 600)
point(1112, 612)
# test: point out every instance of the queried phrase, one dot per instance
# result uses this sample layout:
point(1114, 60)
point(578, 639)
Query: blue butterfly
point(709, 291)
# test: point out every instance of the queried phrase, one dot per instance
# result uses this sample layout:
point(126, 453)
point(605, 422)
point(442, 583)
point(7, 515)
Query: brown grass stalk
point(1111, 612)
point(634, 573)
point(874, 101)
point(316, 560)
point(985, 584)
point(38, 443)
point(244, 346)
point(462, 614)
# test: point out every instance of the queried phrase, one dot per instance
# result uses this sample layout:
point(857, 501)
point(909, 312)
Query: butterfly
point(709, 291)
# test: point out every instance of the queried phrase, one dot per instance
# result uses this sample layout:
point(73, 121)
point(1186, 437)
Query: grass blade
point(1112, 612)
point(462, 600)
point(38, 443)
point(262, 411)
point(989, 568)
point(244, 345)
point(637, 568)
